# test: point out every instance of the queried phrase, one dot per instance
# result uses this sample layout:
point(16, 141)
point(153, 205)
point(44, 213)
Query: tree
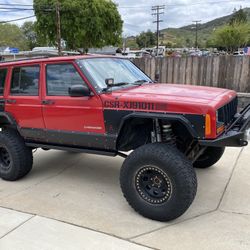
point(12, 36)
point(33, 39)
point(131, 44)
point(84, 23)
point(232, 37)
point(146, 39)
point(188, 42)
point(239, 16)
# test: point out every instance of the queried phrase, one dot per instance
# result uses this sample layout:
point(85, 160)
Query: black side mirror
point(79, 91)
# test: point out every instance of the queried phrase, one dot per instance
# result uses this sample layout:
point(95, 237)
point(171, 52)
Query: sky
point(137, 15)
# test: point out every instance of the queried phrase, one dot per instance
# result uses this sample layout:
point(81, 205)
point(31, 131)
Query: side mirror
point(79, 91)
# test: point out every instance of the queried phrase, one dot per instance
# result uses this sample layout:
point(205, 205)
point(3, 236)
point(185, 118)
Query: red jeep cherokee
point(106, 105)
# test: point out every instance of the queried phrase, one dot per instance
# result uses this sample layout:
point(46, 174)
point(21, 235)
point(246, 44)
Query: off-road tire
point(20, 158)
point(210, 156)
point(174, 169)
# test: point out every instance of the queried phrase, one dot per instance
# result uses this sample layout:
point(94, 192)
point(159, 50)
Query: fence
point(222, 71)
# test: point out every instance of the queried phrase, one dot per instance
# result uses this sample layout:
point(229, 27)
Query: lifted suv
point(106, 105)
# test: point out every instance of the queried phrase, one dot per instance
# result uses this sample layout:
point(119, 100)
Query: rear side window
point(3, 74)
point(25, 81)
point(60, 77)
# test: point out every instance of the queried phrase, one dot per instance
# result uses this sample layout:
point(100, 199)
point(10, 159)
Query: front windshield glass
point(123, 72)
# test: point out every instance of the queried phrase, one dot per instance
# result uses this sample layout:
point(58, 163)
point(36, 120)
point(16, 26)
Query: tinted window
point(3, 73)
point(25, 81)
point(60, 77)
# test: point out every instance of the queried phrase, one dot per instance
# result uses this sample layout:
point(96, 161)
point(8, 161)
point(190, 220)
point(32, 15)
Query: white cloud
point(177, 13)
point(137, 14)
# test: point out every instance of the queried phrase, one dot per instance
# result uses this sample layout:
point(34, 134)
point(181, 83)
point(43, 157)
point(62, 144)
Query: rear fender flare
point(6, 119)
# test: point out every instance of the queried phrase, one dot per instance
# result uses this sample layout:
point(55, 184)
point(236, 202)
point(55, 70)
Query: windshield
point(124, 72)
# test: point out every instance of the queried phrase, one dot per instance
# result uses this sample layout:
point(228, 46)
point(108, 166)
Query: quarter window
point(60, 77)
point(25, 81)
point(3, 74)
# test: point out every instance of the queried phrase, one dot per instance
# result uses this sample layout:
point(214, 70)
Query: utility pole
point(58, 28)
point(196, 33)
point(156, 12)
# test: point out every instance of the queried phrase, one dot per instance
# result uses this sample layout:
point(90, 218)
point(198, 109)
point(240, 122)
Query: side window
point(3, 74)
point(60, 77)
point(25, 81)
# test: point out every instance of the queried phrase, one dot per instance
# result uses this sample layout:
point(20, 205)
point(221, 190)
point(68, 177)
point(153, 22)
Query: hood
point(173, 91)
point(174, 95)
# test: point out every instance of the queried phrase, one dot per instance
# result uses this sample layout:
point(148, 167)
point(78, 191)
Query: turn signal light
point(208, 129)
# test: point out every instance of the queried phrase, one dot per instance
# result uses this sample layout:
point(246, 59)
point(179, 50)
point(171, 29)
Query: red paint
point(86, 114)
point(183, 99)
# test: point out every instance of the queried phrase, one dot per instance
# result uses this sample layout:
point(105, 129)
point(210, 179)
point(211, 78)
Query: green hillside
point(185, 36)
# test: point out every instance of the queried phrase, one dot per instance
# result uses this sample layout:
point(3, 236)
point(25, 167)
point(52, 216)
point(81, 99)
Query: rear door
point(23, 98)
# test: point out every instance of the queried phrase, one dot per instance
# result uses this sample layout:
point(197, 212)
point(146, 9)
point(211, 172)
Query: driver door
point(67, 119)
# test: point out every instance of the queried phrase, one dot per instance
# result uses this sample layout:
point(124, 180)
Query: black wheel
point(16, 158)
point(158, 182)
point(210, 156)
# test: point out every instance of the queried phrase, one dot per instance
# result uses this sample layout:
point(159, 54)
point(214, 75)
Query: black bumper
point(235, 134)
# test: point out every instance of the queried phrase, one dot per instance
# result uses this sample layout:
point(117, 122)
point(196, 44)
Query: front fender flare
point(195, 127)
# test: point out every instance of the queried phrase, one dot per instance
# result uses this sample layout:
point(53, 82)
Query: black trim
point(69, 138)
point(2, 105)
point(115, 119)
point(231, 139)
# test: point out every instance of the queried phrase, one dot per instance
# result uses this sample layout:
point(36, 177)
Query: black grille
point(227, 112)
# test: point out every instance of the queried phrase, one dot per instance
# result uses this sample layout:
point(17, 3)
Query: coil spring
point(168, 135)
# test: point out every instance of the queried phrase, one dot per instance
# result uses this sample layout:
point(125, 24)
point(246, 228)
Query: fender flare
point(167, 117)
point(7, 119)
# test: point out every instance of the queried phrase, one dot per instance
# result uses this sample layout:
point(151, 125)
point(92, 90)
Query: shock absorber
point(156, 135)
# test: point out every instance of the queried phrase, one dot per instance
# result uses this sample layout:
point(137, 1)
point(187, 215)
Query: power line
point(156, 12)
point(18, 19)
point(12, 9)
point(17, 9)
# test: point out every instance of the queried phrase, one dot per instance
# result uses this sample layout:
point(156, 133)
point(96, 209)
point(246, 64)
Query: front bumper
point(237, 133)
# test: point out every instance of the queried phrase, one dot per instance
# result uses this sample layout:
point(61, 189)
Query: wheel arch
point(7, 119)
point(133, 121)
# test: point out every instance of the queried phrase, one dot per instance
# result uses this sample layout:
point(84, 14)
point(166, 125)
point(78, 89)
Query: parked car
point(238, 53)
point(107, 106)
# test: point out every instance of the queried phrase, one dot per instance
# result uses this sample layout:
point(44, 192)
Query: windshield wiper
point(140, 82)
point(115, 85)
point(120, 84)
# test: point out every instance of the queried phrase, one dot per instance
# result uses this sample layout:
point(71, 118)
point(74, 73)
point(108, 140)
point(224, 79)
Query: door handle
point(48, 102)
point(11, 101)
